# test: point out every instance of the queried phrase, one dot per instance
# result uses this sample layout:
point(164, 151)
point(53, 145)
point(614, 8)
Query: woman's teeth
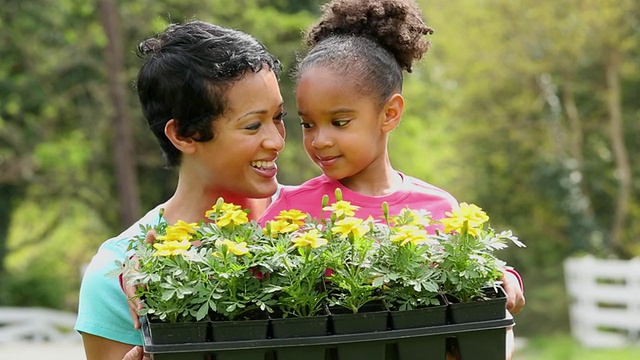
point(262, 164)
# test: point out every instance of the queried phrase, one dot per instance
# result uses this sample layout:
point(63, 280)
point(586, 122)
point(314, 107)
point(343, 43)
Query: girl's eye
point(306, 125)
point(340, 123)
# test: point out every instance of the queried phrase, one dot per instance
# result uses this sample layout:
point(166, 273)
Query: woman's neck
point(192, 199)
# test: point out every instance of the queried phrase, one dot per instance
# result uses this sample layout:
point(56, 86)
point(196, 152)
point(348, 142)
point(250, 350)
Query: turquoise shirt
point(103, 310)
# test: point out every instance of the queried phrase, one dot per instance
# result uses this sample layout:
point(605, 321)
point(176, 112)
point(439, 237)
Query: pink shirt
point(414, 194)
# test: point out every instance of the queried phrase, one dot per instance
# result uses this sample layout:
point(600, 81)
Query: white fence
point(604, 301)
point(36, 325)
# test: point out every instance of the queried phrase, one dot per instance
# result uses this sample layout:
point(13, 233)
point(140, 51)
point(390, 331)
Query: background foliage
point(529, 109)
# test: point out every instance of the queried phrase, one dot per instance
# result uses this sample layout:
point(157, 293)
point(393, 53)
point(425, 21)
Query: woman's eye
point(254, 126)
point(340, 123)
point(280, 116)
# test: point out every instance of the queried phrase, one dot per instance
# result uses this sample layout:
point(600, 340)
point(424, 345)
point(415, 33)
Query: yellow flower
point(409, 234)
point(282, 227)
point(180, 231)
point(413, 217)
point(342, 208)
point(310, 238)
point(224, 207)
point(188, 227)
point(237, 217)
point(293, 216)
point(350, 225)
point(168, 248)
point(233, 247)
point(468, 214)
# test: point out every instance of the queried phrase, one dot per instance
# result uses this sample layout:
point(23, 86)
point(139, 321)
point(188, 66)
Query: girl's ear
point(186, 145)
point(392, 111)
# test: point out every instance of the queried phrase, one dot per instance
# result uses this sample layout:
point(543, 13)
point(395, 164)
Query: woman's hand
point(136, 354)
point(134, 303)
point(130, 290)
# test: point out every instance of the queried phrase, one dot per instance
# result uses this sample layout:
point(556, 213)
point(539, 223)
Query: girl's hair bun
point(396, 25)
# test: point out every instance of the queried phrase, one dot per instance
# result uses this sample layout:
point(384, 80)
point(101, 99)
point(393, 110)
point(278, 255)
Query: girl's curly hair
point(396, 25)
point(368, 41)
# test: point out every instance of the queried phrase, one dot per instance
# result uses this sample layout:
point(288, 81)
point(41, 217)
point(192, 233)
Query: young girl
point(349, 99)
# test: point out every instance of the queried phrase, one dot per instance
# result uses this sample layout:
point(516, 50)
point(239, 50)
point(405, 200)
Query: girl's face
point(240, 159)
point(342, 129)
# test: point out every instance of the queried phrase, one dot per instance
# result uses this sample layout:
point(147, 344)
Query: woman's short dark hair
point(186, 73)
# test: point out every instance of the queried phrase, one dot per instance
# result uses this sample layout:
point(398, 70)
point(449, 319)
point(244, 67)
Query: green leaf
point(202, 311)
point(167, 295)
point(378, 282)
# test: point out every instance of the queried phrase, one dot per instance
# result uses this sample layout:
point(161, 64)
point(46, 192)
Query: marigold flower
point(233, 247)
point(227, 207)
point(468, 214)
point(281, 227)
point(413, 217)
point(293, 216)
point(237, 217)
point(410, 234)
point(310, 238)
point(350, 225)
point(342, 208)
point(224, 208)
point(168, 248)
point(181, 231)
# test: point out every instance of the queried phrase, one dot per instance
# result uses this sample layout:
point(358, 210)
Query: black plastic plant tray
point(475, 331)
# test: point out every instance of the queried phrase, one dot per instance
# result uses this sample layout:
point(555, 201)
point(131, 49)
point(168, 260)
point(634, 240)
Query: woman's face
point(240, 159)
point(341, 127)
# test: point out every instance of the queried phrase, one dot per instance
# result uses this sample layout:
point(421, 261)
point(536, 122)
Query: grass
point(563, 347)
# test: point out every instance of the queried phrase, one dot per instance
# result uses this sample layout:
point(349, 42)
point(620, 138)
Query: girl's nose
point(321, 139)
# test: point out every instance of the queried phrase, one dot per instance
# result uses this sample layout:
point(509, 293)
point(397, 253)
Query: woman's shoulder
point(117, 246)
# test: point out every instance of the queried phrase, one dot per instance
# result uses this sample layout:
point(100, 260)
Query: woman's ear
point(392, 111)
point(186, 145)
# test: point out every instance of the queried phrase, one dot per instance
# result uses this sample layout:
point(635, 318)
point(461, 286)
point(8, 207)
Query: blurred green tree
point(529, 109)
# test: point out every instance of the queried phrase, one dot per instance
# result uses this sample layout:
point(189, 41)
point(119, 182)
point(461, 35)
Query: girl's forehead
point(314, 85)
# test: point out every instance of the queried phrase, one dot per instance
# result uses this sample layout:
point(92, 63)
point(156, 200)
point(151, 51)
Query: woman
point(210, 95)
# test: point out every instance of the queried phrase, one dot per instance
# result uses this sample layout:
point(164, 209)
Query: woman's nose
point(275, 137)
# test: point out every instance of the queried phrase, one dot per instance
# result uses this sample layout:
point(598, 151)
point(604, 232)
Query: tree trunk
point(123, 145)
point(575, 123)
point(10, 196)
point(623, 167)
point(580, 194)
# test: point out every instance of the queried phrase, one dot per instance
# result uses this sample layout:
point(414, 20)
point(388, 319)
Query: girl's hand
point(515, 296)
